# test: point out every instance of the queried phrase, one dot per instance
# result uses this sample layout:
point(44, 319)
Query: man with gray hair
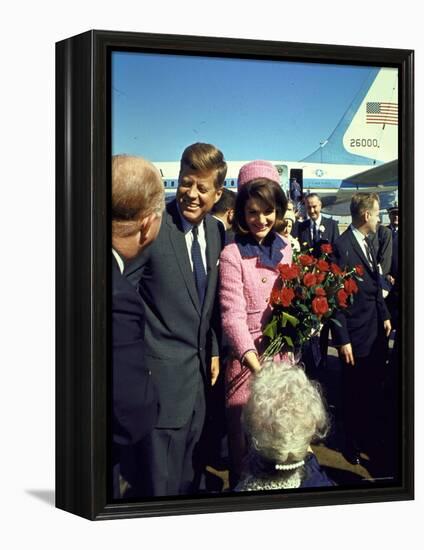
point(177, 279)
point(137, 205)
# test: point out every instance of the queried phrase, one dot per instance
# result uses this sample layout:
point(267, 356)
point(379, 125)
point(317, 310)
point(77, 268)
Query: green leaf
point(336, 322)
point(289, 341)
point(271, 329)
point(289, 318)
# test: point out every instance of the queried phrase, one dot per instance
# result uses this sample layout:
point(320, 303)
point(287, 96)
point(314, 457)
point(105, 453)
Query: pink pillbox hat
point(255, 170)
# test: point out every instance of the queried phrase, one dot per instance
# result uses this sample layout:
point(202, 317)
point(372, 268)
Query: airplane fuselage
point(315, 177)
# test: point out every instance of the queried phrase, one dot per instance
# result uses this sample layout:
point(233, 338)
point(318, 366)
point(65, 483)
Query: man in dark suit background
point(177, 279)
point(223, 211)
point(317, 229)
point(312, 233)
point(137, 206)
point(393, 271)
point(295, 191)
point(362, 335)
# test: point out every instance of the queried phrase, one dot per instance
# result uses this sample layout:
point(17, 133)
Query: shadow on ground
point(45, 495)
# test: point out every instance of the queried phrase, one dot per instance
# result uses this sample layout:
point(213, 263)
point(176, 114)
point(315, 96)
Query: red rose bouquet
point(307, 292)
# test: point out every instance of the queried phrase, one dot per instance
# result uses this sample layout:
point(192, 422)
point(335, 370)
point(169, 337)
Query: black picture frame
point(82, 270)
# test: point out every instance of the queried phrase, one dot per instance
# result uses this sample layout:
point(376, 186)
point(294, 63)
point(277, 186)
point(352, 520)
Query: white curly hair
point(284, 414)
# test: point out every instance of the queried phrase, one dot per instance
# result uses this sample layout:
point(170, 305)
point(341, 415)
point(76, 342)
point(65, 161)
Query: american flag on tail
point(382, 113)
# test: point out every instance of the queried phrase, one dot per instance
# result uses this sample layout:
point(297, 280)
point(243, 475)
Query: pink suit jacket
point(245, 289)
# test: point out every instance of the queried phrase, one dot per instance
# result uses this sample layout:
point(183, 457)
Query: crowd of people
point(191, 286)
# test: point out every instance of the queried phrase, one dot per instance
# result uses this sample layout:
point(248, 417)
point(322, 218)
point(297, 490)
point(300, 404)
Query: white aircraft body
point(365, 138)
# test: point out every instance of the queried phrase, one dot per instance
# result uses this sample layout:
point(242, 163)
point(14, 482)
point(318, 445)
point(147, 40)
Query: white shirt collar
point(360, 237)
point(219, 220)
point(318, 221)
point(118, 260)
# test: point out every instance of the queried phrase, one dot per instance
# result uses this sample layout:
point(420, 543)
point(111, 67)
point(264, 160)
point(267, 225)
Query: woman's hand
point(251, 360)
point(214, 370)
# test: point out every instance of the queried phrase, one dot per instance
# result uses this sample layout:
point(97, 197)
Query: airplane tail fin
point(368, 131)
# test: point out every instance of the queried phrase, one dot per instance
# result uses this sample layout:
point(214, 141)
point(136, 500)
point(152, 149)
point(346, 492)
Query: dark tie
point(368, 250)
point(314, 232)
point(198, 267)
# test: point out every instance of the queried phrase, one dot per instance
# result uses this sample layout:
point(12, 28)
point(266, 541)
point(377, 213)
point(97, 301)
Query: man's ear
point(145, 225)
point(218, 195)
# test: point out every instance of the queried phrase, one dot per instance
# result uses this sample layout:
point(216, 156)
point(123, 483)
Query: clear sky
point(249, 109)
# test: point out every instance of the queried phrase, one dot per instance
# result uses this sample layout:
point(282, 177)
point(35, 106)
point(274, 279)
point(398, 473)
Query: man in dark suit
point(317, 229)
point(295, 191)
point(137, 205)
point(393, 271)
point(312, 233)
point(223, 211)
point(362, 335)
point(177, 280)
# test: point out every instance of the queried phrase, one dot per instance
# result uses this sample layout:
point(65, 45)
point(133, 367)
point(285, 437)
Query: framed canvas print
point(234, 274)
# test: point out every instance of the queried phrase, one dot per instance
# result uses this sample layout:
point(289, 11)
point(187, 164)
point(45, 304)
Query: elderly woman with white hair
point(284, 414)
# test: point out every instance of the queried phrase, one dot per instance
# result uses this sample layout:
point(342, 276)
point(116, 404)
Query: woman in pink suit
point(248, 271)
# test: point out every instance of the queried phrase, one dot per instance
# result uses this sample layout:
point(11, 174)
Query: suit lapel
point(358, 250)
point(305, 233)
point(324, 234)
point(178, 243)
point(212, 254)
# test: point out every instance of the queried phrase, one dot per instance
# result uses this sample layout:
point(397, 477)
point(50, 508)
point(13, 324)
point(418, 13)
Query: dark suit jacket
point(382, 243)
point(394, 267)
point(302, 231)
point(135, 405)
point(179, 335)
point(362, 322)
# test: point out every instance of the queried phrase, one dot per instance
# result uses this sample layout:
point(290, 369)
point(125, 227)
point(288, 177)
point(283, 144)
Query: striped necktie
point(368, 250)
point(198, 267)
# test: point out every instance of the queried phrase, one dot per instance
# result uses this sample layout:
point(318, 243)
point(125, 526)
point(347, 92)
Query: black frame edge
point(74, 417)
point(406, 354)
point(82, 278)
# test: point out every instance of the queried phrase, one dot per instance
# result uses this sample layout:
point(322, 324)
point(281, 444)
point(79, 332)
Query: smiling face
point(196, 194)
point(260, 218)
point(313, 207)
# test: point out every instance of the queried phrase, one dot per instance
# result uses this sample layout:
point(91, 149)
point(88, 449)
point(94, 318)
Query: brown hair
point(361, 202)
point(204, 157)
point(137, 192)
point(265, 190)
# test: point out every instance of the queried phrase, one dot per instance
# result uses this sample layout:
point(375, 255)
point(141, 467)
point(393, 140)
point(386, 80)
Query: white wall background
point(28, 33)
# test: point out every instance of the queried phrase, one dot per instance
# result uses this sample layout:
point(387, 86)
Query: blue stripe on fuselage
point(308, 183)
point(313, 183)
